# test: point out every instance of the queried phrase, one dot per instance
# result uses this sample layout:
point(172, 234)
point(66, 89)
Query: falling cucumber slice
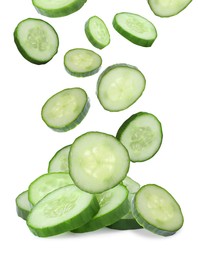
point(23, 205)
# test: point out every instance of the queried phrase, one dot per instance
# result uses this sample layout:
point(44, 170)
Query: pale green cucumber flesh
point(66, 109)
point(131, 185)
point(82, 62)
point(119, 86)
point(62, 210)
point(45, 184)
point(23, 205)
point(98, 162)
point(36, 40)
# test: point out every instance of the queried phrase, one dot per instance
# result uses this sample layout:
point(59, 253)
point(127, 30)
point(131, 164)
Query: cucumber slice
point(66, 109)
point(167, 8)
point(97, 32)
point(57, 8)
point(113, 205)
point(23, 205)
point(155, 209)
point(142, 135)
point(131, 185)
point(36, 40)
point(119, 86)
point(45, 184)
point(62, 210)
point(98, 162)
point(82, 62)
point(135, 28)
point(59, 162)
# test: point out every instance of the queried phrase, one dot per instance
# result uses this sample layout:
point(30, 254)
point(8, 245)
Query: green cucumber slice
point(57, 8)
point(98, 162)
point(156, 210)
point(66, 109)
point(119, 86)
point(23, 205)
point(62, 210)
point(142, 135)
point(45, 184)
point(36, 40)
point(59, 162)
point(135, 28)
point(167, 8)
point(97, 32)
point(82, 62)
point(131, 185)
point(113, 205)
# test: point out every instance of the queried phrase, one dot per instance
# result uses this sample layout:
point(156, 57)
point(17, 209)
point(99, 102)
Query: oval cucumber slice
point(135, 28)
point(119, 86)
point(82, 62)
point(155, 209)
point(36, 40)
point(45, 184)
point(54, 8)
point(66, 109)
point(23, 205)
point(142, 135)
point(62, 210)
point(98, 162)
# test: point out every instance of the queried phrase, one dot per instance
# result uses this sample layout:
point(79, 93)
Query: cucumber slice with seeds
point(36, 40)
point(135, 28)
point(119, 86)
point(66, 109)
point(62, 210)
point(23, 205)
point(142, 135)
point(113, 205)
point(97, 32)
point(59, 162)
point(54, 8)
point(98, 162)
point(167, 8)
point(155, 209)
point(45, 184)
point(82, 62)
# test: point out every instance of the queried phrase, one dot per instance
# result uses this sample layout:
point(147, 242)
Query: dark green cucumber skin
point(125, 224)
point(128, 121)
point(145, 224)
point(73, 7)
point(68, 225)
point(75, 122)
point(132, 38)
point(107, 71)
point(83, 74)
point(24, 53)
point(92, 40)
point(167, 15)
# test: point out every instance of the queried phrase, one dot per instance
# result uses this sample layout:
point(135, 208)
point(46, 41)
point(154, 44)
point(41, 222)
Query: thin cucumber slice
point(113, 205)
point(167, 8)
point(59, 162)
point(98, 162)
point(142, 135)
point(155, 209)
point(66, 109)
point(97, 32)
point(119, 86)
point(57, 8)
point(62, 210)
point(82, 62)
point(23, 205)
point(131, 185)
point(135, 28)
point(45, 184)
point(36, 40)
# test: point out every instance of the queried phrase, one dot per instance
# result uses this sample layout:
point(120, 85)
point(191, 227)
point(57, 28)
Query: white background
point(27, 144)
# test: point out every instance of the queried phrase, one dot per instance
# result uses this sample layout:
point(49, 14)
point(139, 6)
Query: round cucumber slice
point(98, 162)
point(62, 210)
point(155, 209)
point(119, 86)
point(66, 109)
point(36, 40)
point(23, 205)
